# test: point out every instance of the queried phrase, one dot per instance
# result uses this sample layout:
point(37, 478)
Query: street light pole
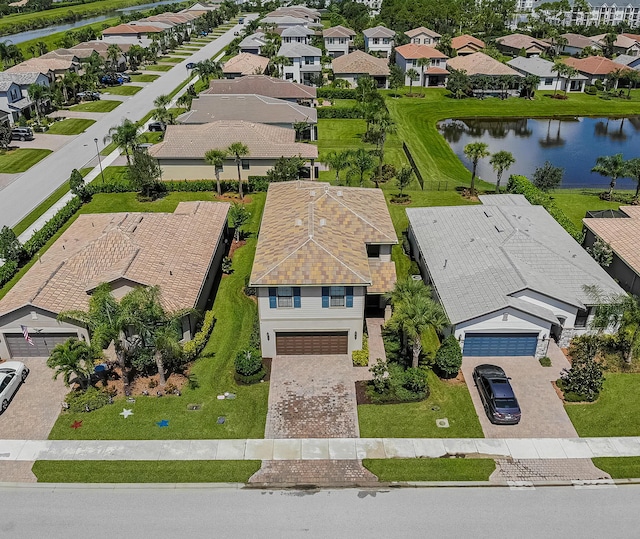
point(99, 161)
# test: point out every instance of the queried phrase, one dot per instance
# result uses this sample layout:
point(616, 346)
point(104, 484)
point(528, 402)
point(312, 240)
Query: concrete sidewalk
point(319, 449)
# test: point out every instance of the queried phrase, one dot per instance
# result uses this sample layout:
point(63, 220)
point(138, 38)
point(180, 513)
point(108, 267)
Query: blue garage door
point(500, 344)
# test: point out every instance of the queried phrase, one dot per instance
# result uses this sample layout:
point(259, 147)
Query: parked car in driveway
point(124, 77)
point(12, 375)
point(157, 126)
point(22, 133)
point(498, 398)
point(89, 96)
point(109, 80)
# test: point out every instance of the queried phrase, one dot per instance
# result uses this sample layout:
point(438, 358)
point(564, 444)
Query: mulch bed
point(361, 393)
point(140, 384)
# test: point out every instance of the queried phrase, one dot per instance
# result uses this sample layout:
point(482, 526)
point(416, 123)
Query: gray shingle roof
point(479, 257)
point(297, 31)
point(253, 40)
point(538, 66)
point(298, 50)
point(379, 31)
point(21, 79)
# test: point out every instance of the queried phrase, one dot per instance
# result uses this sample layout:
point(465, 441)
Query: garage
point(500, 344)
point(43, 343)
point(312, 342)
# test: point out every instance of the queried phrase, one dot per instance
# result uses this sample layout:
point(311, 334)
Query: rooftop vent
point(499, 228)
point(323, 222)
point(339, 193)
point(312, 193)
point(298, 222)
point(487, 213)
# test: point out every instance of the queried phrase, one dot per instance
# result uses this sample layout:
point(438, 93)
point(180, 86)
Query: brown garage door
point(318, 342)
point(43, 343)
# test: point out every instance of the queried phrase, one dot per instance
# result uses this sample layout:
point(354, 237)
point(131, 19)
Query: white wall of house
point(378, 44)
point(423, 80)
point(311, 316)
point(424, 39)
point(144, 40)
point(197, 169)
point(337, 46)
point(302, 68)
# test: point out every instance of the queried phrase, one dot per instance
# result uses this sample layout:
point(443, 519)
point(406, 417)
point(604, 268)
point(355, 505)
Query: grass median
point(145, 77)
point(431, 469)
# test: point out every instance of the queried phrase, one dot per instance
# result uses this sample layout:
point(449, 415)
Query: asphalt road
point(496, 512)
point(35, 185)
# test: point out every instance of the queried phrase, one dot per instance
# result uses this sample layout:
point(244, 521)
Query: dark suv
point(498, 399)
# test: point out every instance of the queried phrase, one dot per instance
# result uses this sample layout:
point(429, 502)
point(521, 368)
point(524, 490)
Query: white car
point(12, 375)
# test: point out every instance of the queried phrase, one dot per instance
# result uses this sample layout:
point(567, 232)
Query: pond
point(571, 143)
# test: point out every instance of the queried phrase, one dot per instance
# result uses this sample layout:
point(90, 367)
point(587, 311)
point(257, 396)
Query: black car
point(191, 65)
point(498, 398)
point(157, 126)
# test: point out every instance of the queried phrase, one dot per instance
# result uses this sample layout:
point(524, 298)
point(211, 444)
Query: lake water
point(571, 143)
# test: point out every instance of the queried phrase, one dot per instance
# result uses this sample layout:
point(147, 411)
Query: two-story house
point(429, 63)
point(338, 40)
point(305, 64)
point(323, 256)
point(16, 101)
point(253, 43)
point(423, 36)
point(379, 40)
point(297, 34)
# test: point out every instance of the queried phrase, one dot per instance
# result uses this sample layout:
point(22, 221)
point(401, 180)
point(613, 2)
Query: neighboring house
point(594, 68)
point(286, 21)
point(208, 108)
point(305, 62)
point(338, 40)
point(632, 62)
point(433, 74)
point(373, 5)
point(13, 102)
point(358, 63)
point(56, 67)
point(379, 39)
point(423, 36)
point(507, 274)
point(181, 153)
point(253, 43)
point(83, 51)
point(303, 12)
point(244, 64)
point(576, 43)
point(479, 63)
point(264, 85)
point(514, 44)
point(466, 44)
point(624, 44)
point(140, 34)
point(323, 256)
point(549, 79)
point(126, 250)
point(297, 34)
point(621, 230)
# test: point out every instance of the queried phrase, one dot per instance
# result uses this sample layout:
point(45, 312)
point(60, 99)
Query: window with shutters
point(336, 296)
point(285, 296)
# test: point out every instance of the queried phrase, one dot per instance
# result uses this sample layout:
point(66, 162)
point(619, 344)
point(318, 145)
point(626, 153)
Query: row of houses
point(598, 13)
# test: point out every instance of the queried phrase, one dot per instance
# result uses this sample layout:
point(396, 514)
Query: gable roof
point(252, 108)
point(42, 65)
point(360, 62)
point(627, 60)
point(21, 79)
point(261, 85)
point(623, 41)
point(378, 31)
point(298, 50)
point(297, 31)
point(164, 249)
point(479, 63)
point(338, 31)
point(264, 141)
point(246, 63)
point(538, 66)
point(284, 19)
point(459, 42)
point(121, 29)
point(422, 30)
point(579, 41)
point(316, 234)
point(257, 39)
point(521, 41)
point(593, 65)
point(494, 251)
point(414, 51)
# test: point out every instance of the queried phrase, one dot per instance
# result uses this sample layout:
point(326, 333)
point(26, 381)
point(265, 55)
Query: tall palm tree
point(113, 55)
point(238, 151)
point(475, 151)
point(570, 72)
point(361, 163)
point(338, 161)
point(501, 161)
point(560, 68)
point(216, 159)
point(278, 63)
point(37, 93)
point(380, 126)
point(422, 63)
point(632, 170)
point(529, 84)
point(126, 136)
point(413, 76)
point(74, 360)
point(610, 166)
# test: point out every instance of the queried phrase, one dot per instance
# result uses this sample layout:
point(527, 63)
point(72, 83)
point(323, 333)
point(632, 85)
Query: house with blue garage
point(509, 277)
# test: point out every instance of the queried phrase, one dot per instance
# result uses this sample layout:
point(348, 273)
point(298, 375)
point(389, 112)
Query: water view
point(570, 143)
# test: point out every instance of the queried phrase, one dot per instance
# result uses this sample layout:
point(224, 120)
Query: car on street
point(191, 65)
point(12, 376)
point(89, 96)
point(498, 399)
point(22, 133)
point(157, 126)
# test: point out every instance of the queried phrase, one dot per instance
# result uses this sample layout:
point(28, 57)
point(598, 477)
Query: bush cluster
point(7, 271)
point(361, 357)
point(582, 382)
point(449, 358)
point(86, 401)
point(249, 367)
point(340, 113)
point(192, 348)
point(338, 93)
point(391, 383)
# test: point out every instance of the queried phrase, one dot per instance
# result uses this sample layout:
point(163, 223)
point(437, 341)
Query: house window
point(548, 82)
point(219, 170)
point(375, 41)
point(330, 41)
point(342, 41)
point(416, 40)
point(285, 296)
point(245, 164)
point(582, 317)
point(308, 60)
point(288, 76)
point(385, 41)
point(373, 251)
point(336, 296)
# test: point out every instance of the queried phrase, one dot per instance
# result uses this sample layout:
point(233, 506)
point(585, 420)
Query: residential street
point(35, 185)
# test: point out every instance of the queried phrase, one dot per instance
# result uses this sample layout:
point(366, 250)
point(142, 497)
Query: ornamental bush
point(360, 358)
point(248, 362)
point(449, 358)
point(338, 93)
point(192, 348)
point(86, 401)
point(391, 384)
point(339, 113)
point(583, 381)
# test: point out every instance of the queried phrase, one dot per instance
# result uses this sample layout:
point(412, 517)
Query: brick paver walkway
point(546, 470)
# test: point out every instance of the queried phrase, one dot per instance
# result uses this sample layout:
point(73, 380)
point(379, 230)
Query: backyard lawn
point(104, 105)
point(20, 160)
point(70, 126)
point(144, 77)
point(121, 90)
point(575, 203)
point(431, 469)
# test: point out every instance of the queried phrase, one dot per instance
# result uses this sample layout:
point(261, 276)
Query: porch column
point(312, 170)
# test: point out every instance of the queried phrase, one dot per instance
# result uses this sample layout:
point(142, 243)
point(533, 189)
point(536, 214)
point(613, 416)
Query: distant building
point(305, 63)
point(244, 64)
point(263, 85)
point(549, 79)
point(423, 36)
point(434, 73)
point(466, 44)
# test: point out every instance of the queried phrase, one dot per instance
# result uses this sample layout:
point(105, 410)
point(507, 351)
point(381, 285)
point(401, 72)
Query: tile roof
point(593, 65)
point(251, 108)
point(316, 234)
point(338, 31)
point(21, 79)
point(538, 66)
point(379, 31)
point(383, 276)
point(579, 41)
point(131, 29)
point(297, 31)
point(254, 40)
point(464, 40)
point(626, 59)
point(246, 63)
point(164, 249)
point(360, 62)
point(521, 41)
point(284, 19)
point(298, 50)
point(42, 65)
point(492, 252)
point(623, 41)
point(436, 71)
point(621, 234)
point(479, 63)
point(422, 30)
point(264, 141)
point(6, 84)
point(261, 85)
point(412, 51)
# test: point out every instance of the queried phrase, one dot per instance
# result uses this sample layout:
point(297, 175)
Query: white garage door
point(43, 343)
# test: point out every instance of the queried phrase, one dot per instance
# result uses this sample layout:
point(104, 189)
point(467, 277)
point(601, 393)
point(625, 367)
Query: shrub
point(338, 93)
point(254, 339)
point(87, 401)
point(192, 381)
point(248, 362)
point(340, 113)
point(7, 271)
point(545, 361)
point(391, 383)
point(584, 347)
point(258, 183)
point(192, 348)
point(252, 379)
point(226, 266)
point(360, 358)
point(583, 381)
point(449, 358)
point(591, 90)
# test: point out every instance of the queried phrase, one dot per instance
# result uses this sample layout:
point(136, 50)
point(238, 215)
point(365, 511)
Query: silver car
point(12, 375)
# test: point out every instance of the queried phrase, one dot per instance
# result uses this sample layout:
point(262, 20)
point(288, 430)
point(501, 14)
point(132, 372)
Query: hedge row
point(7, 271)
point(338, 93)
point(522, 186)
point(255, 183)
point(338, 112)
point(193, 347)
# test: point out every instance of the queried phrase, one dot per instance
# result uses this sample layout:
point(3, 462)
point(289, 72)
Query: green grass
point(20, 160)
point(145, 77)
point(131, 471)
point(104, 105)
point(158, 67)
point(431, 469)
point(576, 202)
point(615, 413)
point(170, 59)
point(122, 90)
point(619, 467)
point(418, 420)
point(35, 214)
point(234, 312)
point(70, 126)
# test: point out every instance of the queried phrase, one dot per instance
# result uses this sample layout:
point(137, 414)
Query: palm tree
point(501, 161)
point(422, 63)
point(570, 72)
point(475, 151)
point(380, 126)
point(338, 161)
point(529, 84)
point(560, 68)
point(162, 101)
point(126, 136)
point(37, 93)
point(185, 101)
point(238, 151)
point(413, 76)
point(216, 159)
point(73, 358)
point(113, 55)
point(610, 166)
point(278, 63)
point(632, 170)
point(361, 163)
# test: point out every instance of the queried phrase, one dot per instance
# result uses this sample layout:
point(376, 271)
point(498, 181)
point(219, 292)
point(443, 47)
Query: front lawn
point(159, 67)
point(104, 105)
point(170, 60)
point(145, 77)
point(431, 469)
point(451, 400)
point(619, 467)
point(132, 471)
point(20, 160)
point(70, 126)
point(615, 413)
point(575, 203)
point(123, 89)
